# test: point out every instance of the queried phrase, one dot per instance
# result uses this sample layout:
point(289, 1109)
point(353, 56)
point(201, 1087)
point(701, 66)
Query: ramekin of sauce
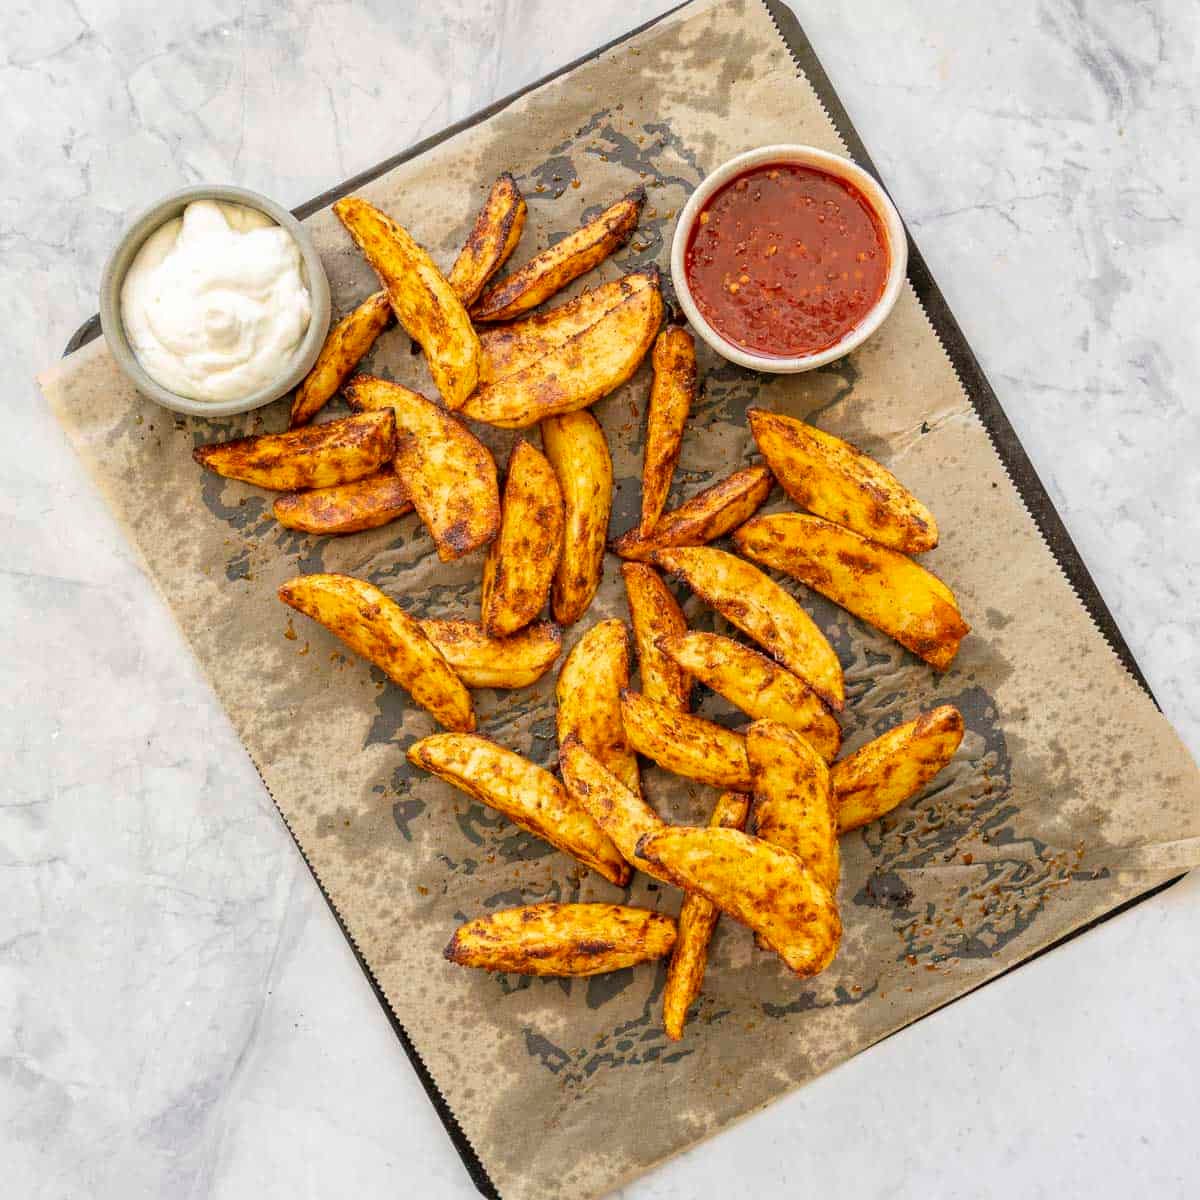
point(787, 257)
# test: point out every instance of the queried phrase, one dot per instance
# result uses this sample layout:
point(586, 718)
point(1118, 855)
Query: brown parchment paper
point(1070, 793)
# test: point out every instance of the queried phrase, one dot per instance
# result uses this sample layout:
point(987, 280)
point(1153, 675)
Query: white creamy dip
point(214, 304)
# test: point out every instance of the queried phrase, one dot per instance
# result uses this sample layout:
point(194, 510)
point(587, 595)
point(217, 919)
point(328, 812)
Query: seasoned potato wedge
point(347, 342)
point(522, 560)
point(671, 396)
point(575, 445)
point(756, 883)
point(697, 920)
point(883, 587)
point(894, 767)
point(685, 744)
point(487, 662)
point(314, 456)
point(524, 793)
point(562, 939)
point(760, 608)
point(553, 269)
point(655, 615)
point(422, 299)
point(493, 237)
point(376, 627)
point(449, 473)
point(760, 688)
point(346, 507)
point(838, 481)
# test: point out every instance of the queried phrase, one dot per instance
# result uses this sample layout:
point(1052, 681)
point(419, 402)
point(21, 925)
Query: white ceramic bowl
point(832, 164)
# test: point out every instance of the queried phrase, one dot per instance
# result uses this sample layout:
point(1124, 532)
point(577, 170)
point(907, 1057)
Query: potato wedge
point(562, 939)
point(553, 269)
point(655, 615)
point(685, 744)
point(522, 560)
point(345, 507)
point(760, 688)
point(347, 342)
point(577, 373)
point(590, 684)
point(575, 445)
point(423, 301)
point(524, 793)
point(376, 627)
point(708, 515)
point(313, 456)
point(493, 237)
point(756, 883)
point(761, 609)
point(697, 920)
point(839, 482)
point(672, 393)
point(894, 767)
point(487, 662)
point(883, 587)
point(449, 473)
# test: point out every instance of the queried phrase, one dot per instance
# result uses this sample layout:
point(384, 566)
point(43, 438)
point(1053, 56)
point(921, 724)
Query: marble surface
point(179, 1015)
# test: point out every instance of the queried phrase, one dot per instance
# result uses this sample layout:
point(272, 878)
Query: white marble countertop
point(179, 1015)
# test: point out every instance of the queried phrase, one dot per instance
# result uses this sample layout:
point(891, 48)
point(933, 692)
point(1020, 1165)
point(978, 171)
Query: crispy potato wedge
point(345, 507)
point(894, 767)
point(448, 472)
point(590, 684)
point(522, 560)
point(487, 662)
point(685, 744)
point(376, 627)
point(697, 920)
point(672, 394)
point(553, 269)
point(760, 688)
point(314, 456)
point(575, 445)
point(756, 883)
point(524, 793)
point(708, 515)
point(577, 373)
point(347, 342)
point(761, 609)
point(883, 587)
point(562, 939)
point(655, 615)
point(839, 482)
point(423, 301)
point(493, 237)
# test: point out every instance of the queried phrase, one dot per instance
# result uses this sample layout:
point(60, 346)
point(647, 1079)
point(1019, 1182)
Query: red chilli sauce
point(786, 259)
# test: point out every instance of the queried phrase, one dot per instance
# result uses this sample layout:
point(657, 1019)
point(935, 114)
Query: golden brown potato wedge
point(376, 627)
point(347, 342)
point(422, 299)
point(883, 587)
point(838, 481)
point(346, 507)
point(655, 615)
point(697, 920)
point(760, 608)
point(449, 473)
point(524, 793)
point(756, 883)
point(760, 688)
point(522, 560)
point(685, 744)
point(575, 445)
point(553, 269)
point(487, 662)
point(493, 237)
point(311, 457)
point(894, 767)
point(562, 939)
point(671, 396)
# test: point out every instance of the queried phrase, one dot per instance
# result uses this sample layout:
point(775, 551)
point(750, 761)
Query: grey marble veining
point(179, 1016)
